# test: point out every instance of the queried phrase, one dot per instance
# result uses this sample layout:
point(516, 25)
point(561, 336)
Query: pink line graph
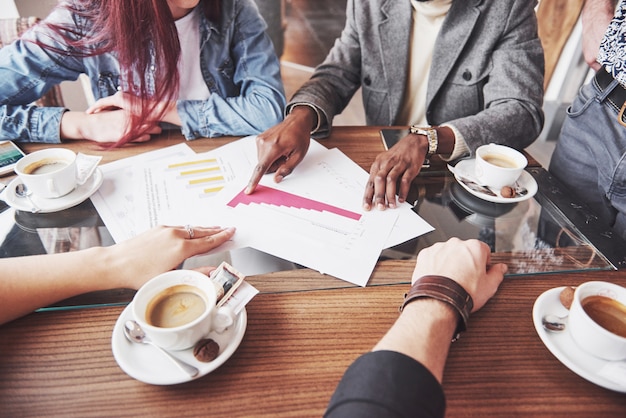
point(269, 196)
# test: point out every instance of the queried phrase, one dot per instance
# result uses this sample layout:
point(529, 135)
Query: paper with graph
point(313, 217)
point(116, 199)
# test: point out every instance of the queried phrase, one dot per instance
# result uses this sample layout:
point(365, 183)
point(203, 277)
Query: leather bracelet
point(446, 290)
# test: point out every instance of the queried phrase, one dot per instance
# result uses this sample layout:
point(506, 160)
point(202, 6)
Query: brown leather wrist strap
point(446, 290)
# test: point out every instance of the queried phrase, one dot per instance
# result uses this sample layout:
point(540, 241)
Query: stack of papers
point(314, 217)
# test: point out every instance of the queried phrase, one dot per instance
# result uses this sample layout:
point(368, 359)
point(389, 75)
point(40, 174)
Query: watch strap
point(431, 135)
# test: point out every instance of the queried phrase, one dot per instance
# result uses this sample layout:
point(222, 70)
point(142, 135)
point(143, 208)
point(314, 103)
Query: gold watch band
point(430, 134)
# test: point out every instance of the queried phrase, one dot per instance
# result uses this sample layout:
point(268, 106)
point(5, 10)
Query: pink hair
point(131, 29)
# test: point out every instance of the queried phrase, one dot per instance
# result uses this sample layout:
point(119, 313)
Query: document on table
point(115, 200)
point(313, 217)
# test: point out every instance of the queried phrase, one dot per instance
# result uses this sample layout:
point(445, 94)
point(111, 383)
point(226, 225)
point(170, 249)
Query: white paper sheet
point(115, 200)
point(314, 217)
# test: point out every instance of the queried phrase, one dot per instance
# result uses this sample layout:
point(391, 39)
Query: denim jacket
point(238, 62)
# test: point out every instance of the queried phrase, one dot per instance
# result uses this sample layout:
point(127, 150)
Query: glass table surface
point(545, 234)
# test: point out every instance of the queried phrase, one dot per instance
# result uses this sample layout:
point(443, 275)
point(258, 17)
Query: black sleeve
point(387, 384)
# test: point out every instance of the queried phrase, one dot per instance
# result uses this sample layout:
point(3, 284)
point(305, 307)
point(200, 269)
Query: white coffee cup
point(49, 173)
point(498, 165)
point(589, 334)
point(176, 309)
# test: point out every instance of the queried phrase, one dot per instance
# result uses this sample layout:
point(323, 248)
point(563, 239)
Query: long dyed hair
point(131, 29)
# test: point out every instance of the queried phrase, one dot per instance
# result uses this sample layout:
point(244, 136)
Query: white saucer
point(78, 195)
point(146, 364)
point(465, 168)
point(563, 347)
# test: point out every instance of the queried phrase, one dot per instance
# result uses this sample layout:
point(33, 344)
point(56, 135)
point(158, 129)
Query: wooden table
point(297, 346)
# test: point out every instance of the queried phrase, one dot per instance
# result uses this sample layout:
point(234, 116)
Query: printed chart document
point(313, 217)
point(115, 200)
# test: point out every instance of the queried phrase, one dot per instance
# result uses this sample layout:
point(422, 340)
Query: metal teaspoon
point(135, 334)
point(22, 191)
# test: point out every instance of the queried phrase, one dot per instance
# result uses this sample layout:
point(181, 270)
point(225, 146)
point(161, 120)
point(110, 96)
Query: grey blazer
point(486, 77)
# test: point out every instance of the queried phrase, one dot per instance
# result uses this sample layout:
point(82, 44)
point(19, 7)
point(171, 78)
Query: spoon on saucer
point(483, 188)
point(134, 333)
point(471, 183)
point(22, 191)
point(553, 323)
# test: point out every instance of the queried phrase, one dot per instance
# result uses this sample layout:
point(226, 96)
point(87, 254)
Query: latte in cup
point(609, 313)
point(178, 308)
point(175, 306)
point(500, 160)
point(47, 165)
point(497, 165)
point(49, 173)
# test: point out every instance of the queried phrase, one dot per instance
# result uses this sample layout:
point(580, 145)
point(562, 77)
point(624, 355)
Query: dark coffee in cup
point(175, 306)
point(608, 313)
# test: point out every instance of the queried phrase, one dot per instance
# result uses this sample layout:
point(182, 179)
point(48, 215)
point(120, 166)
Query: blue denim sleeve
point(247, 94)
point(387, 384)
point(31, 123)
point(27, 71)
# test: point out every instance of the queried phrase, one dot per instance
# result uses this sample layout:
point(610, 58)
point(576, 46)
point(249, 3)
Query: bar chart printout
point(333, 240)
point(205, 175)
point(267, 195)
point(178, 190)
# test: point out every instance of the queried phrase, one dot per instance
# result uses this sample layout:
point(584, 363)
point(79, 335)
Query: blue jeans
point(589, 156)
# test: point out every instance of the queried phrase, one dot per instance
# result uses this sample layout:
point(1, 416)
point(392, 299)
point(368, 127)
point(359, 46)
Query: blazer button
point(367, 81)
point(467, 75)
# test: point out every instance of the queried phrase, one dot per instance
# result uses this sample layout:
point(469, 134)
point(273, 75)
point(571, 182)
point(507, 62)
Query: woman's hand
point(161, 112)
point(109, 119)
point(105, 126)
point(161, 249)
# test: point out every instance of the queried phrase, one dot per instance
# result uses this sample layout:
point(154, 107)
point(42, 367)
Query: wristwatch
point(430, 134)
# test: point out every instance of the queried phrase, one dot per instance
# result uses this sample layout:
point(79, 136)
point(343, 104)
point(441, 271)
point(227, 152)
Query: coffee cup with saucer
point(605, 373)
point(176, 310)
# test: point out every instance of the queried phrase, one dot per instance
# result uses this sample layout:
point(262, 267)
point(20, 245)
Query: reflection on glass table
point(532, 236)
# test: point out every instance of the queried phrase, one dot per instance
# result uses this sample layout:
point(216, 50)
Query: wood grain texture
point(295, 350)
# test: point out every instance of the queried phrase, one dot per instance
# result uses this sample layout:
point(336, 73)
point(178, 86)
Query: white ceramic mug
point(498, 165)
point(49, 173)
point(587, 333)
point(182, 333)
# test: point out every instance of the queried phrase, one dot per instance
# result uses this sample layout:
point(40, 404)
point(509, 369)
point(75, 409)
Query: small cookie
point(567, 296)
point(507, 191)
point(206, 350)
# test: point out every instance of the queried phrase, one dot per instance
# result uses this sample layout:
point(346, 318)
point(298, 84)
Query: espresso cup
point(498, 165)
point(48, 173)
point(176, 309)
point(597, 319)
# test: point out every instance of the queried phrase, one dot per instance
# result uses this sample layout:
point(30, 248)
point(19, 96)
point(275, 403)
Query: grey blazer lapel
point(394, 31)
point(455, 32)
